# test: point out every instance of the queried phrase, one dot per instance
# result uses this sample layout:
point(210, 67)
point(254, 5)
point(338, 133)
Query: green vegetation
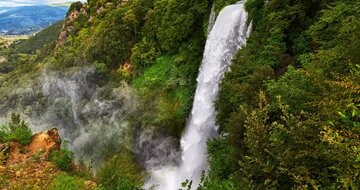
point(47, 37)
point(302, 132)
point(149, 36)
point(63, 158)
point(166, 88)
point(220, 4)
point(120, 173)
point(7, 41)
point(289, 108)
point(65, 181)
point(15, 130)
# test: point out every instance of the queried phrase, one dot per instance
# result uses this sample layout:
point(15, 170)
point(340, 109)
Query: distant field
point(61, 4)
point(6, 41)
point(2, 37)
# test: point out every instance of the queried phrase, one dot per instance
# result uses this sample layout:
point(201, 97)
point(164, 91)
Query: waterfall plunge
point(227, 36)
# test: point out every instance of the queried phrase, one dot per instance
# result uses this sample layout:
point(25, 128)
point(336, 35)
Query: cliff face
point(76, 12)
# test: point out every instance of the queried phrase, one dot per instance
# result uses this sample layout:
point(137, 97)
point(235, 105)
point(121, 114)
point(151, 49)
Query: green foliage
point(120, 173)
point(15, 130)
point(222, 165)
point(166, 86)
point(64, 181)
point(254, 7)
point(176, 21)
point(302, 57)
point(76, 6)
point(295, 88)
point(220, 4)
point(303, 133)
point(63, 158)
point(143, 53)
point(140, 34)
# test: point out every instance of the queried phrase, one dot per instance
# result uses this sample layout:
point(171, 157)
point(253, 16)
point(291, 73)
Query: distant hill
point(29, 19)
point(4, 9)
point(40, 39)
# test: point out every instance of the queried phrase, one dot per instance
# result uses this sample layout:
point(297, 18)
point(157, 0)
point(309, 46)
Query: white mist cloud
point(13, 3)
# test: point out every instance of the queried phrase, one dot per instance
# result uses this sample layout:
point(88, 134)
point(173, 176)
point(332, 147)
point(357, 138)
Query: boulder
point(47, 141)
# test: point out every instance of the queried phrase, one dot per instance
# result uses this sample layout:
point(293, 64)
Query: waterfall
point(227, 36)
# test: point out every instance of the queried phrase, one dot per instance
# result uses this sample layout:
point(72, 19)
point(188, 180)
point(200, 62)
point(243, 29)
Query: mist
point(96, 121)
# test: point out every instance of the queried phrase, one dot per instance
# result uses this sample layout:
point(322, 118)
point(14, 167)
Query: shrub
point(16, 130)
point(63, 181)
point(120, 173)
point(3, 134)
point(63, 158)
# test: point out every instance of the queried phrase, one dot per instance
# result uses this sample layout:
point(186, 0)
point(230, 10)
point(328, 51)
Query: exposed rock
point(126, 68)
point(28, 166)
point(42, 145)
point(73, 15)
point(90, 184)
point(99, 10)
point(68, 25)
point(47, 141)
point(2, 59)
point(62, 36)
point(123, 3)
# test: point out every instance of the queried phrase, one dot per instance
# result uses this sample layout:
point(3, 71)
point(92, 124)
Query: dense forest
point(288, 110)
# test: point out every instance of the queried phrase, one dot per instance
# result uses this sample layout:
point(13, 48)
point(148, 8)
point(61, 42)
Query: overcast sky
point(12, 3)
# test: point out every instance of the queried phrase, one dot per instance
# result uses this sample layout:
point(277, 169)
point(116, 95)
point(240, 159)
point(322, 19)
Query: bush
point(120, 173)
point(220, 4)
point(16, 130)
point(63, 158)
point(3, 134)
point(63, 181)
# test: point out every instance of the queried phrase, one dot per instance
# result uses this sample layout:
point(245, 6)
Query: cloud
point(13, 3)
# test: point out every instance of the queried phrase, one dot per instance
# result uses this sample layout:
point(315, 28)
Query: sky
point(14, 3)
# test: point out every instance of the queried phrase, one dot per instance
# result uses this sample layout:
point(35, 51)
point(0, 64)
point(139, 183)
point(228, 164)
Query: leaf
point(267, 181)
point(354, 113)
point(183, 184)
point(331, 123)
point(343, 116)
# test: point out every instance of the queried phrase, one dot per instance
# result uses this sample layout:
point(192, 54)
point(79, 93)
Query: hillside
point(205, 95)
point(46, 36)
point(4, 9)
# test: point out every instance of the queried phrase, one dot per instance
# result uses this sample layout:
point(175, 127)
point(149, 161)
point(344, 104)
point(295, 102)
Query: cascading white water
point(227, 36)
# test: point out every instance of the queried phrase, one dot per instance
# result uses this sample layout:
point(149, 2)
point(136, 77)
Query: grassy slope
point(41, 39)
